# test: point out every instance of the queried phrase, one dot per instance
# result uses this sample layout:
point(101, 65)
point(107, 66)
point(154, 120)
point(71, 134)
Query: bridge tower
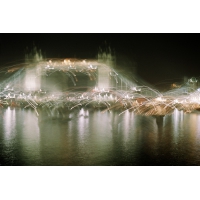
point(107, 61)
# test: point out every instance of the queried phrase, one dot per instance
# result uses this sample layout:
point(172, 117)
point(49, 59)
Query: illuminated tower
point(107, 61)
point(32, 79)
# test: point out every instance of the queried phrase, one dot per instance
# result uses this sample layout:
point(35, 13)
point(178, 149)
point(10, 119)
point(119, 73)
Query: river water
point(95, 138)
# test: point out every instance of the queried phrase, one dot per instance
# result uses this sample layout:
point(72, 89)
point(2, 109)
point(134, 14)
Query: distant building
point(193, 83)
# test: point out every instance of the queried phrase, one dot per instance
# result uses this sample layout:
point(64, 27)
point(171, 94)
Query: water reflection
point(9, 122)
point(88, 137)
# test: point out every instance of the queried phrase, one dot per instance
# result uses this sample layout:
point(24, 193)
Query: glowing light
point(160, 99)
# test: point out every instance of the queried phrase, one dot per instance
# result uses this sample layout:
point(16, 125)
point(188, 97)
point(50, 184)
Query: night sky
point(156, 57)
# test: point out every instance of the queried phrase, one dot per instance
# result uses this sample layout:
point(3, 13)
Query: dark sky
point(157, 57)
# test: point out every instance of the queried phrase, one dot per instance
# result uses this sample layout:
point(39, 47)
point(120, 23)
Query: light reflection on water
point(88, 137)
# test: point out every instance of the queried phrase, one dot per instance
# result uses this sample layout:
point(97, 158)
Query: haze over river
point(96, 138)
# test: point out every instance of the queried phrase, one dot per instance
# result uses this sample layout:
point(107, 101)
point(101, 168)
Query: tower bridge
point(71, 83)
point(68, 74)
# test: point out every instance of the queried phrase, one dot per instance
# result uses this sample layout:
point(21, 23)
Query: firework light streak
point(22, 88)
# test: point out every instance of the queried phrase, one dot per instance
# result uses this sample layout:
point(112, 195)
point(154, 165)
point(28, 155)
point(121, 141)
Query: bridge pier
point(159, 119)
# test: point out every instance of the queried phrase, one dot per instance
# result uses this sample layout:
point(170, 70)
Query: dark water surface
point(90, 138)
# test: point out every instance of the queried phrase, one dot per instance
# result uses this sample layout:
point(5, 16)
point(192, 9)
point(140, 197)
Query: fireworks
point(22, 88)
